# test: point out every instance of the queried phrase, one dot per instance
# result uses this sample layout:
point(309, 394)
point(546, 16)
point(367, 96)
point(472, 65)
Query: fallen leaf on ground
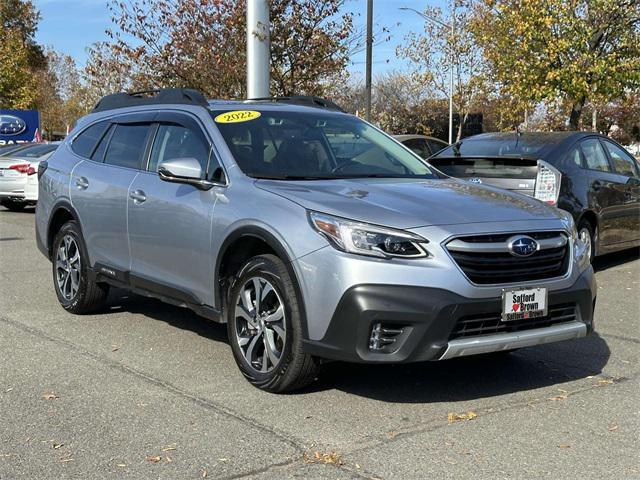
point(564, 445)
point(332, 458)
point(56, 446)
point(153, 458)
point(49, 396)
point(204, 473)
point(115, 348)
point(121, 465)
point(168, 459)
point(458, 417)
point(606, 381)
point(169, 448)
point(558, 398)
point(392, 434)
point(613, 428)
point(8, 390)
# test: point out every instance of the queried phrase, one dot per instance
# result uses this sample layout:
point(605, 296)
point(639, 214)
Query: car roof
point(547, 137)
point(523, 144)
point(6, 150)
point(35, 151)
point(269, 105)
point(402, 138)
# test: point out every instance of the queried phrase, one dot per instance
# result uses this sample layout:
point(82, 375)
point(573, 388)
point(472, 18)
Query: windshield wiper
point(456, 148)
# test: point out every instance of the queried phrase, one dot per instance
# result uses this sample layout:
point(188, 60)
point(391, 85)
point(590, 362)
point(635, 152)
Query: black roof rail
point(304, 100)
point(185, 96)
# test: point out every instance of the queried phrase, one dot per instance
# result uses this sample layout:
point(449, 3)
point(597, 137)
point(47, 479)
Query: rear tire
point(13, 206)
point(264, 322)
point(76, 291)
point(586, 233)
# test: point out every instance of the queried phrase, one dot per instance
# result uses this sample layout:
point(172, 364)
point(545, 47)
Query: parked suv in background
point(311, 233)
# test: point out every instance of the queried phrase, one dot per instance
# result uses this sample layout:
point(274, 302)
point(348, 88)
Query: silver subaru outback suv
point(311, 233)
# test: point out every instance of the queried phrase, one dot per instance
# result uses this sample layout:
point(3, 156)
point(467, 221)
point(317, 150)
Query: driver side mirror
point(183, 170)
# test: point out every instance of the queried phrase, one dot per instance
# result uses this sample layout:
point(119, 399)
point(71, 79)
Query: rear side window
point(418, 146)
point(176, 141)
point(574, 156)
point(85, 142)
point(594, 156)
point(622, 162)
point(436, 146)
point(98, 154)
point(127, 145)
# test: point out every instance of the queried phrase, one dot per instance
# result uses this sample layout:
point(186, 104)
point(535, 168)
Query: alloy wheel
point(68, 267)
point(260, 324)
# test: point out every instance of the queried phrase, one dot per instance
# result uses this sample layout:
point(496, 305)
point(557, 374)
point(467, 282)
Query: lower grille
point(488, 324)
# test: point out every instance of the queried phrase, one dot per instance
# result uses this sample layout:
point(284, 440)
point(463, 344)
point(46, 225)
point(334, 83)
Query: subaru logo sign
point(12, 125)
point(522, 246)
point(475, 180)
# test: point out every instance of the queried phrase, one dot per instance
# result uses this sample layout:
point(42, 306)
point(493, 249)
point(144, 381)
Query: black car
point(586, 174)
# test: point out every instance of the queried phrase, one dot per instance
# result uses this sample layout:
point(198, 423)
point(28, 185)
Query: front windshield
point(295, 145)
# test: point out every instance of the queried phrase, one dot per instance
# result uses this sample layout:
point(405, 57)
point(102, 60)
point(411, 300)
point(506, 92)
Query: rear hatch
point(517, 174)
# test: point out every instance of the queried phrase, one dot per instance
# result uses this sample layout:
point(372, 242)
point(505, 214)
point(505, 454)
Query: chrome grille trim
point(499, 267)
point(460, 245)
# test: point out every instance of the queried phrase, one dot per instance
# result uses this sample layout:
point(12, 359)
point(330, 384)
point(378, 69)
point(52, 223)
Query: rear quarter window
point(84, 143)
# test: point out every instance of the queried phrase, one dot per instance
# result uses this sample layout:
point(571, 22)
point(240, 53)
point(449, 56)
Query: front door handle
point(597, 186)
point(138, 196)
point(82, 183)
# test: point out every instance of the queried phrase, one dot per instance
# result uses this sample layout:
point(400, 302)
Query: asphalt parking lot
point(147, 390)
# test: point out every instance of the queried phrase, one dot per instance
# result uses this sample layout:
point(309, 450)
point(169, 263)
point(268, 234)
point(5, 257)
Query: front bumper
point(428, 316)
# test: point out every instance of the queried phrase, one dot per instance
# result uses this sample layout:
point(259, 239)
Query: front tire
point(264, 322)
point(76, 291)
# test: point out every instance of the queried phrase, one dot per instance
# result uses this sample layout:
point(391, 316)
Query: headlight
point(365, 239)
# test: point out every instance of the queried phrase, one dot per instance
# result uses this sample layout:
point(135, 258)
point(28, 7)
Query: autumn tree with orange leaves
point(202, 44)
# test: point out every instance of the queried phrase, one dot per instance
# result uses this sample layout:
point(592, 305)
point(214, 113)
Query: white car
point(18, 175)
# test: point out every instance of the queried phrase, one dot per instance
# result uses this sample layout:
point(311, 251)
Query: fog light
point(382, 336)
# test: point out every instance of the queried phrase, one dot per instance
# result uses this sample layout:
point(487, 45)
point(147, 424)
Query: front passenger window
point(622, 162)
point(176, 141)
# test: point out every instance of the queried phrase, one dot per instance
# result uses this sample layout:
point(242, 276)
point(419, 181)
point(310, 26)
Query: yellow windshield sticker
point(237, 116)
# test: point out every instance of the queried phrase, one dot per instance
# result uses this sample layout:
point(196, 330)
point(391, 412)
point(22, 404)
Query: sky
point(69, 26)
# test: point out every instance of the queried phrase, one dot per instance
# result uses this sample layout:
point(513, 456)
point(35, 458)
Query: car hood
point(410, 203)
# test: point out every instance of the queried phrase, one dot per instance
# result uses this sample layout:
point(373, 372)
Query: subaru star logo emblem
point(475, 180)
point(522, 246)
point(11, 125)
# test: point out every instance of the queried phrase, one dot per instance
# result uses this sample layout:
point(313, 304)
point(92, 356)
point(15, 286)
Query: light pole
point(451, 67)
point(258, 49)
point(368, 60)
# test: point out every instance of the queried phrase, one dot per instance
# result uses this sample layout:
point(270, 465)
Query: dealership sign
point(18, 126)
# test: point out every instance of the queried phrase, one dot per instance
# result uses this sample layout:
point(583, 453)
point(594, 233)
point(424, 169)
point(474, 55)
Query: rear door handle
point(138, 196)
point(82, 183)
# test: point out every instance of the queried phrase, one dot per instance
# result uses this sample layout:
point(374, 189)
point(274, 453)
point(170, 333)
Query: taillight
point(42, 166)
point(547, 183)
point(24, 168)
